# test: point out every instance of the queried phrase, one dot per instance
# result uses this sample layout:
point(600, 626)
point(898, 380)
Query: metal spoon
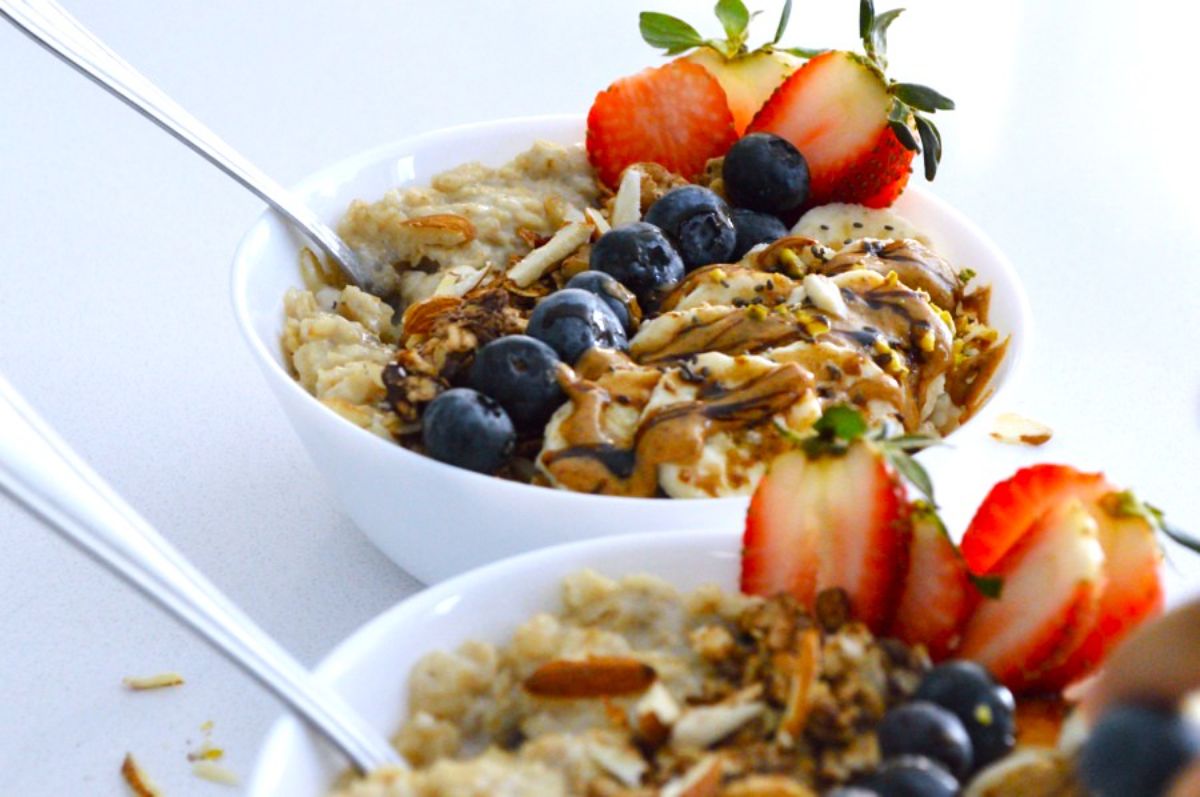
point(51, 26)
point(42, 474)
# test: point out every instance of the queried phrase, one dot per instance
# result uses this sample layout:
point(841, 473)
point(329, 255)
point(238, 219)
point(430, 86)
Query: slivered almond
point(160, 681)
point(530, 268)
point(440, 229)
point(627, 206)
point(704, 726)
point(805, 667)
point(1016, 429)
point(598, 221)
point(214, 772)
point(135, 776)
point(767, 786)
point(420, 317)
point(702, 780)
point(596, 676)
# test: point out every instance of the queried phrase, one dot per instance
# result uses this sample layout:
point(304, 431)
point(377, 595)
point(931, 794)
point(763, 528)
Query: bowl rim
point(288, 730)
point(240, 280)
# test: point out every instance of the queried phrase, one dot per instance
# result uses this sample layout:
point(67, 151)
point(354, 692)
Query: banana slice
point(838, 223)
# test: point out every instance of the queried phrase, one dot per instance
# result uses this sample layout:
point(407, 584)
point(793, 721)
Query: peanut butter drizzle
point(916, 266)
point(593, 462)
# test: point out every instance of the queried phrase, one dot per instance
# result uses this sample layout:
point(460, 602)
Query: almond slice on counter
point(211, 771)
point(440, 229)
point(1019, 430)
point(139, 782)
point(596, 676)
point(147, 682)
point(530, 268)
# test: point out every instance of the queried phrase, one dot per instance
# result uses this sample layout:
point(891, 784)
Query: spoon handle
point(51, 26)
point(42, 473)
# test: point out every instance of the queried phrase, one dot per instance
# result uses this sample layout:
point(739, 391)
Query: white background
point(1074, 145)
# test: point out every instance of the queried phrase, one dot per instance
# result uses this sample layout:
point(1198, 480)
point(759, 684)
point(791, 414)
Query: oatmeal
point(472, 216)
point(691, 378)
point(633, 687)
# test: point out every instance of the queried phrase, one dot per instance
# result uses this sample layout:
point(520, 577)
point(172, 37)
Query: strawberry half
point(674, 115)
point(1014, 505)
point(937, 595)
point(1053, 582)
point(1133, 590)
point(748, 80)
point(835, 110)
point(830, 520)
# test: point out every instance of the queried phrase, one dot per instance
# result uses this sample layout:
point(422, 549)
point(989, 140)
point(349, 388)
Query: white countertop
point(1073, 146)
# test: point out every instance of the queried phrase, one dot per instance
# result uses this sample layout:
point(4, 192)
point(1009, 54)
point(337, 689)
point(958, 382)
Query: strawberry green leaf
point(842, 422)
point(931, 144)
point(734, 18)
point(921, 97)
point(988, 586)
point(898, 120)
point(878, 34)
point(783, 21)
point(910, 469)
point(668, 32)
point(802, 52)
point(1129, 505)
point(866, 21)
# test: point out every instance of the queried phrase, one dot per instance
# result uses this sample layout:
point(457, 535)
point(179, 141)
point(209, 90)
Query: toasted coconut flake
point(141, 683)
point(139, 783)
point(596, 676)
point(215, 773)
point(1019, 430)
point(530, 268)
point(702, 780)
point(440, 229)
point(627, 207)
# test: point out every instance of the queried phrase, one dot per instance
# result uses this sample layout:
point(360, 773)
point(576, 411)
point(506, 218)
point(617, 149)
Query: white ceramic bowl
point(436, 520)
point(370, 669)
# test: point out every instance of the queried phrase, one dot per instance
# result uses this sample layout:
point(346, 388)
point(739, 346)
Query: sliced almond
point(623, 763)
point(767, 786)
point(530, 268)
point(654, 715)
point(459, 280)
point(598, 221)
point(420, 317)
point(805, 666)
point(704, 726)
point(440, 229)
point(627, 205)
point(135, 776)
point(702, 780)
point(146, 682)
point(214, 772)
point(1019, 430)
point(597, 676)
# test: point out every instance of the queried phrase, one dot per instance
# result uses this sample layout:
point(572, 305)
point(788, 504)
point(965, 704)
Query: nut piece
point(530, 268)
point(1017, 430)
point(440, 229)
point(597, 676)
point(627, 206)
point(767, 786)
point(805, 667)
point(703, 726)
point(135, 776)
point(702, 780)
point(833, 609)
point(160, 681)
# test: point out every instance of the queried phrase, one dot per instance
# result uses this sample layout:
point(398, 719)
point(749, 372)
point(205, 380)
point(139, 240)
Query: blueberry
point(707, 237)
point(754, 228)
point(1135, 751)
point(641, 258)
point(571, 321)
point(618, 298)
point(679, 204)
point(985, 708)
point(925, 729)
point(912, 776)
point(766, 173)
point(463, 427)
point(522, 374)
